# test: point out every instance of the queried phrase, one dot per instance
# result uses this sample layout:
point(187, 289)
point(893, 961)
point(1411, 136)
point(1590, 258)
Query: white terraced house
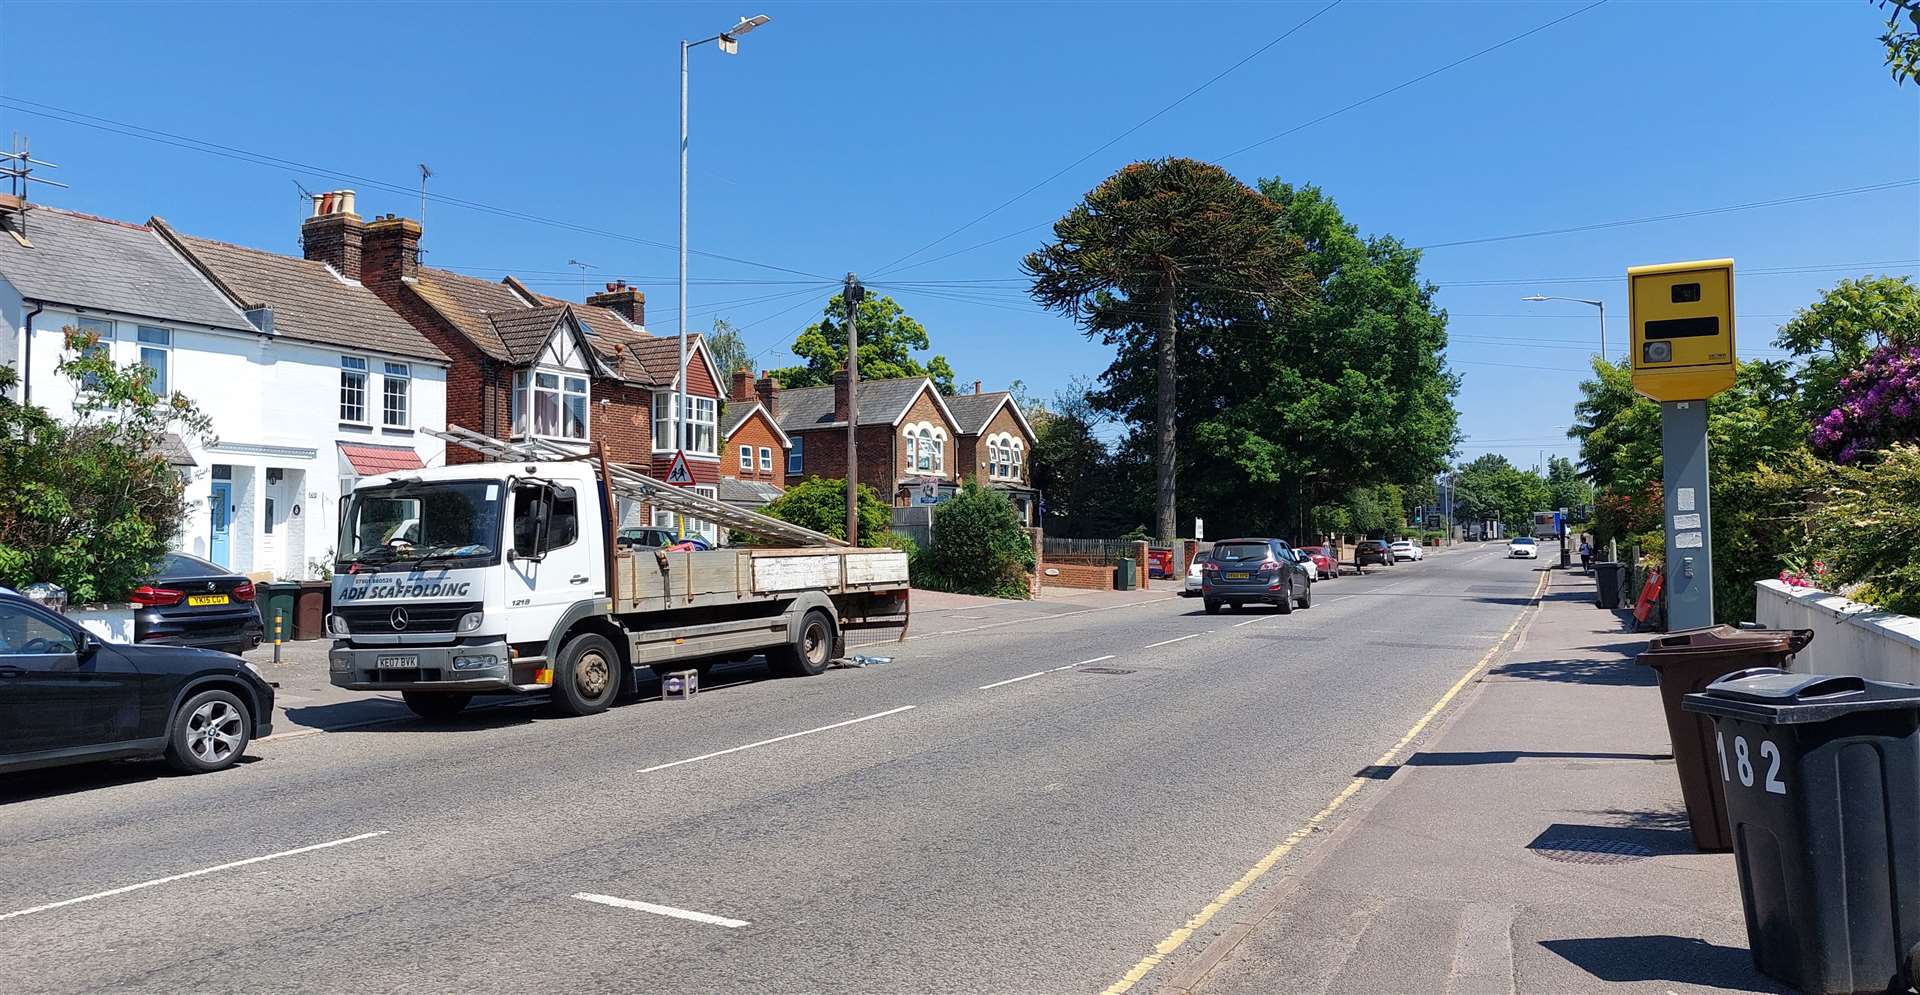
point(310, 381)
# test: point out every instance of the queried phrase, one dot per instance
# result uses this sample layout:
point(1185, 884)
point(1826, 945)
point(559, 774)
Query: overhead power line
point(85, 120)
point(1109, 143)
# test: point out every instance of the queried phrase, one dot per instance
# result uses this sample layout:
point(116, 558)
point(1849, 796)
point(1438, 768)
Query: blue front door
point(219, 509)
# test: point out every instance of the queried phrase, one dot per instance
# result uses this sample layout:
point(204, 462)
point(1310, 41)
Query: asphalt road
point(946, 822)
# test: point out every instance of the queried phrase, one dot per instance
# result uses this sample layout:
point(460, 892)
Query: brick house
point(753, 455)
point(993, 445)
point(527, 365)
point(906, 435)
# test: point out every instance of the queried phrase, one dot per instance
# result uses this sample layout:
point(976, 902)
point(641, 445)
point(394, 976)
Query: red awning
point(370, 461)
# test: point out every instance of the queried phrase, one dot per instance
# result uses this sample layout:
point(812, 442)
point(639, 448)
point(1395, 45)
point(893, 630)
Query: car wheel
point(1285, 604)
point(210, 732)
point(431, 705)
point(1306, 599)
point(811, 651)
point(587, 679)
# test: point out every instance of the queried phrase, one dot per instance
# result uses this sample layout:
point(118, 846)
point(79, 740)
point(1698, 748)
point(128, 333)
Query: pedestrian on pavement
point(1586, 555)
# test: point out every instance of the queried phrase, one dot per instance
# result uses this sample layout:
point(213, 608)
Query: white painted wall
point(1849, 637)
point(274, 405)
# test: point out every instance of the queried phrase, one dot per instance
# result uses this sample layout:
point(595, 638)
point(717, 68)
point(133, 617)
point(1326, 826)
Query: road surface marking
point(780, 739)
point(663, 910)
point(1164, 642)
point(1014, 680)
point(1097, 659)
point(1042, 618)
point(1250, 621)
point(1180, 936)
point(191, 874)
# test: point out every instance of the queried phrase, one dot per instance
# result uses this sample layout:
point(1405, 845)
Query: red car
point(1324, 564)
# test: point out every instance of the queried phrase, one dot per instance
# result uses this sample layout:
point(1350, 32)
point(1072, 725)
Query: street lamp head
point(748, 24)
point(1536, 298)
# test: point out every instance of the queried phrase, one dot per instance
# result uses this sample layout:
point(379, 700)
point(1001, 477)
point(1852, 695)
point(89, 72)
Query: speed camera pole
point(1681, 316)
point(853, 294)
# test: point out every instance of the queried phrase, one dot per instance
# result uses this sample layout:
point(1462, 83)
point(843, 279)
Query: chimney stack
point(840, 405)
point(391, 251)
point(742, 385)
point(769, 390)
point(630, 303)
point(332, 234)
point(976, 386)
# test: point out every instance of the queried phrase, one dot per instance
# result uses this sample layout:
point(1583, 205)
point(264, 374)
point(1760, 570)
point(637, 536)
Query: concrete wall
point(1849, 637)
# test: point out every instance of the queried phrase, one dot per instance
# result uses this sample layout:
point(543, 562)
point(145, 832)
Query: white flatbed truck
point(507, 577)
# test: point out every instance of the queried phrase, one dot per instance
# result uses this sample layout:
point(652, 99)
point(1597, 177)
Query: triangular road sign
point(678, 472)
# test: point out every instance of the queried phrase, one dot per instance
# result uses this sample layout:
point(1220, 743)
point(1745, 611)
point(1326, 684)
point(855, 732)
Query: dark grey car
point(1256, 571)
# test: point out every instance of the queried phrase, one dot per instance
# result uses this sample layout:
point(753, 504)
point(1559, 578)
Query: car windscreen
point(1241, 552)
point(414, 522)
point(1523, 541)
point(174, 566)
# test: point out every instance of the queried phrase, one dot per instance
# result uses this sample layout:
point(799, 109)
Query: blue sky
point(848, 135)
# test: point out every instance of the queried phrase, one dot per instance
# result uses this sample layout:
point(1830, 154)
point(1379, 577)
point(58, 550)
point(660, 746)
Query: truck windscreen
point(411, 523)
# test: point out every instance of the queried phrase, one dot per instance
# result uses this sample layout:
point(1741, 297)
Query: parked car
point(1405, 549)
point(1191, 587)
point(1265, 571)
point(1325, 564)
point(648, 537)
point(1523, 547)
point(1368, 551)
point(67, 697)
point(194, 602)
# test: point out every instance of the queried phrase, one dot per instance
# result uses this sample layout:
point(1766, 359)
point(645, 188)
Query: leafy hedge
point(820, 504)
point(979, 547)
point(1864, 530)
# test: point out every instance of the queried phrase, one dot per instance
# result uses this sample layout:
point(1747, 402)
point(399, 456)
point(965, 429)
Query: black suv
point(67, 697)
point(1372, 551)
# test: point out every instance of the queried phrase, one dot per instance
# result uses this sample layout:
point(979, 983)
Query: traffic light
point(1682, 320)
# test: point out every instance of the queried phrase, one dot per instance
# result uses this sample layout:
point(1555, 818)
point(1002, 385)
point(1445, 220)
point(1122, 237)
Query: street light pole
point(1602, 305)
point(729, 43)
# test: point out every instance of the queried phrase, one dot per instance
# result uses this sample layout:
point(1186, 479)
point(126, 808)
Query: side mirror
point(88, 646)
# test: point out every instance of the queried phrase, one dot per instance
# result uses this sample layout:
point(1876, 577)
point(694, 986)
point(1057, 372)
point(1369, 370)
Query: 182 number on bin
point(1742, 763)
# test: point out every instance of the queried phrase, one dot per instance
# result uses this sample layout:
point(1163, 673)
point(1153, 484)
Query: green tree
point(1833, 336)
point(820, 504)
point(729, 350)
point(1903, 42)
point(90, 505)
point(1492, 488)
point(1074, 469)
point(888, 339)
point(979, 546)
point(1565, 487)
point(1158, 248)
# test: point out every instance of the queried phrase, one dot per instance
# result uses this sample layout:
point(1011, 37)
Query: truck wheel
point(810, 653)
point(587, 677)
point(429, 705)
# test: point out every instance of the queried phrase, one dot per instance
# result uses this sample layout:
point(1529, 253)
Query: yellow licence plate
point(198, 600)
point(1237, 576)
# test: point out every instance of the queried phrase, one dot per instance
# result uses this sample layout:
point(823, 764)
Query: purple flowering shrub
point(1879, 405)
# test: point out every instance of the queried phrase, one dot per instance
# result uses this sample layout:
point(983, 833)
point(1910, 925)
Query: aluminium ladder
point(634, 485)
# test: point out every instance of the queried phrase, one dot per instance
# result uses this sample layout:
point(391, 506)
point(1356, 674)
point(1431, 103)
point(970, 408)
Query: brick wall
point(925, 408)
point(1002, 421)
point(624, 427)
point(825, 455)
point(1076, 575)
point(477, 387)
point(757, 433)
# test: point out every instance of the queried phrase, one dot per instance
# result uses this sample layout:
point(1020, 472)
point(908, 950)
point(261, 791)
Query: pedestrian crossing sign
point(679, 473)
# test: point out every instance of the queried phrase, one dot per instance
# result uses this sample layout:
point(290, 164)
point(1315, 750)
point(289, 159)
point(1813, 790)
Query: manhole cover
point(1103, 670)
point(1590, 851)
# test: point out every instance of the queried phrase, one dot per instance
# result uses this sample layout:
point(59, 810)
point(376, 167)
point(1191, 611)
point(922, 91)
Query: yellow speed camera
point(1682, 318)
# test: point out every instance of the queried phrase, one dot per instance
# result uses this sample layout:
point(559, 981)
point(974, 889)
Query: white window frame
point(664, 519)
point(400, 375)
point(766, 459)
point(926, 448)
point(357, 379)
point(1005, 455)
point(103, 328)
point(568, 385)
point(702, 416)
point(746, 457)
point(797, 456)
point(160, 345)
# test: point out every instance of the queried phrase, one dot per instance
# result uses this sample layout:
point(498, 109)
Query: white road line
point(1014, 680)
point(780, 739)
point(1083, 663)
point(1042, 618)
point(1250, 621)
point(663, 910)
point(191, 874)
point(1163, 642)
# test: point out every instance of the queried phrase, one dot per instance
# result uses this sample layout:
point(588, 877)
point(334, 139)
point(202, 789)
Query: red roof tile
point(369, 461)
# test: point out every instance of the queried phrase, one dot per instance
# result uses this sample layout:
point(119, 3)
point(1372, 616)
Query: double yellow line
point(1178, 938)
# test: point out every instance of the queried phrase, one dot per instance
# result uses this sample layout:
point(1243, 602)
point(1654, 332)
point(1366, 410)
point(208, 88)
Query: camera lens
point(1657, 352)
point(1686, 293)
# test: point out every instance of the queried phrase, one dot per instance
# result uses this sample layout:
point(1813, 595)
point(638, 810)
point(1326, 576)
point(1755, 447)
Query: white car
point(1191, 588)
point(1523, 547)
point(1406, 550)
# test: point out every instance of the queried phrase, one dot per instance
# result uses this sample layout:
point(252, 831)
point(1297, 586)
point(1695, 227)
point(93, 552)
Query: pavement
point(1036, 798)
point(1538, 843)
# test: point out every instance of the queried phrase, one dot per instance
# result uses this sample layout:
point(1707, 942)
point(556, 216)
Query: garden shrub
point(979, 547)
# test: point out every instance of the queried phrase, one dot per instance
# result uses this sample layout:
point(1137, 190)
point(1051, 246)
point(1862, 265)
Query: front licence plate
point(1242, 575)
point(199, 600)
point(407, 662)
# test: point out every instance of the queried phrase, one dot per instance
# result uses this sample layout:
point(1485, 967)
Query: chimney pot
point(334, 234)
point(976, 386)
point(628, 302)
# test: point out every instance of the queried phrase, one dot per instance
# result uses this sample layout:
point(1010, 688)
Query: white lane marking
point(780, 739)
point(192, 874)
point(663, 910)
point(1083, 663)
point(1042, 618)
point(1250, 621)
point(1163, 642)
point(1013, 680)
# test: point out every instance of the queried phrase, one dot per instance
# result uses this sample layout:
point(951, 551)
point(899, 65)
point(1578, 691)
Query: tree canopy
point(889, 337)
point(729, 350)
point(1836, 333)
point(1492, 488)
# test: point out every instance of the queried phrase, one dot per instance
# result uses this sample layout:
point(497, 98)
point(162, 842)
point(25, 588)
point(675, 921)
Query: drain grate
point(1590, 851)
point(1101, 670)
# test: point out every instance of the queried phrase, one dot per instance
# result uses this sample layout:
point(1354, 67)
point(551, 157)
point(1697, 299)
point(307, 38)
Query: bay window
point(551, 404)
point(702, 420)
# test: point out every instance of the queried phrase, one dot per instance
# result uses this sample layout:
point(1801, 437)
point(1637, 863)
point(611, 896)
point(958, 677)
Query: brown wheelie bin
point(1688, 661)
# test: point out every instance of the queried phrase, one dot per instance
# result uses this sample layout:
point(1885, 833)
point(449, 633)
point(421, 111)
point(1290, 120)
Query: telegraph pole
point(853, 294)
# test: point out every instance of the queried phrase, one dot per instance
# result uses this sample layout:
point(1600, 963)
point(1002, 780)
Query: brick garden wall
point(1083, 576)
